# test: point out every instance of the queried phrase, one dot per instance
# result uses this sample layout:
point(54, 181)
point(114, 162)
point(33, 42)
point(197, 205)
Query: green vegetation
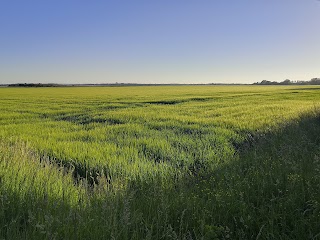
point(313, 81)
point(160, 162)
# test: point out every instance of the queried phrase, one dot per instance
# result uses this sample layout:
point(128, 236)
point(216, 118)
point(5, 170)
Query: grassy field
point(160, 162)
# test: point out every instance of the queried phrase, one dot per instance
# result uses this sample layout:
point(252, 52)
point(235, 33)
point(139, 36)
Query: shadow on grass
point(178, 101)
point(269, 190)
point(306, 88)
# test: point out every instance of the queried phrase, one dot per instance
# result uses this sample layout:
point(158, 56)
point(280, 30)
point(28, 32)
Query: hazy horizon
point(70, 42)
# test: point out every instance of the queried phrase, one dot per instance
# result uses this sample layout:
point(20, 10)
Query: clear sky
point(166, 41)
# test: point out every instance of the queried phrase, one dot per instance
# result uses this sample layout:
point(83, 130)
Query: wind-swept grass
point(159, 163)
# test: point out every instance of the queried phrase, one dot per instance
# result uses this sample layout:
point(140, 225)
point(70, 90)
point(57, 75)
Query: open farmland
point(160, 162)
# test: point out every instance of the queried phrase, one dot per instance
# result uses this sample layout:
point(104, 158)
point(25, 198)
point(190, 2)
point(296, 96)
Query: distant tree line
point(313, 81)
point(34, 85)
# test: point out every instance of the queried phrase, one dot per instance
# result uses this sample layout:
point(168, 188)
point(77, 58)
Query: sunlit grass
point(80, 151)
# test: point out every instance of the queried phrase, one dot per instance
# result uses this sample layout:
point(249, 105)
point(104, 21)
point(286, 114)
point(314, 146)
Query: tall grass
point(159, 163)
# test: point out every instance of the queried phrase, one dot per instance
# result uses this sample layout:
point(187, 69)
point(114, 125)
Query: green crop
point(159, 162)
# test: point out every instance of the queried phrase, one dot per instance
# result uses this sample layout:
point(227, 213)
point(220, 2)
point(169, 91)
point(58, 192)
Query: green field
point(160, 162)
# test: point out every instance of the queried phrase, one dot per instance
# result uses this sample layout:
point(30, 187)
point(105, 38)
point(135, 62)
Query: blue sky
point(167, 41)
